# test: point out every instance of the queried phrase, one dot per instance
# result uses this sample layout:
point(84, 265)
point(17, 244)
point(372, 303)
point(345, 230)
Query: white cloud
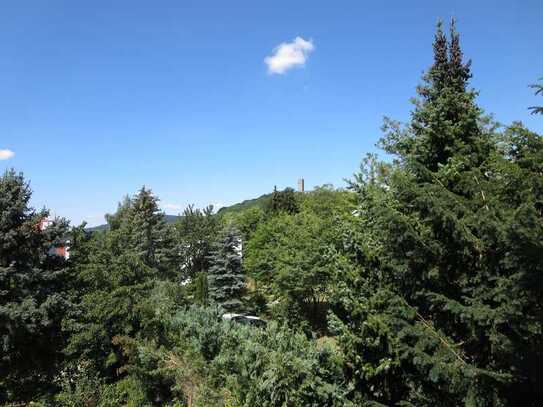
point(6, 154)
point(289, 55)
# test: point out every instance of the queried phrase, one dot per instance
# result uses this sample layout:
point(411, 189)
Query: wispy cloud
point(6, 154)
point(289, 55)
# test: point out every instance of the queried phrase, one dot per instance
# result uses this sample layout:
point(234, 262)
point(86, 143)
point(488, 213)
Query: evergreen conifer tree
point(445, 244)
point(33, 282)
point(116, 281)
point(139, 226)
point(225, 278)
point(446, 121)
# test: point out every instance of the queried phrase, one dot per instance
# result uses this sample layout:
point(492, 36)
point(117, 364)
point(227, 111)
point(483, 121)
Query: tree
point(292, 261)
point(328, 202)
point(246, 221)
point(33, 282)
point(297, 258)
point(226, 281)
point(446, 121)
point(538, 90)
point(283, 201)
point(139, 225)
point(442, 308)
point(117, 280)
point(193, 234)
point(201, 289)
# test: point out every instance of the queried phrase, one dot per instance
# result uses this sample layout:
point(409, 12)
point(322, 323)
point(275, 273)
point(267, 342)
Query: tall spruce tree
point(226, 281)
point(446, 121)
point(139, 225)
point(32, 293)
point(447, 311)
point(124, 266)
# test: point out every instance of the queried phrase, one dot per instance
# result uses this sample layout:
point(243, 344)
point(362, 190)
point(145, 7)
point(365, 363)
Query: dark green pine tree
point(449, 300)
point(141, 227)
point(123, 267)
point(32, 293)
point(446, 121)
point(226, 281)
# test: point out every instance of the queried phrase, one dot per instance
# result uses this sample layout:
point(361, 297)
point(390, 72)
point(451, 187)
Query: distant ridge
point(168, 218)
point(259, 202)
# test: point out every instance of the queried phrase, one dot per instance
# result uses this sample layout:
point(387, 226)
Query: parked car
point(245, 319)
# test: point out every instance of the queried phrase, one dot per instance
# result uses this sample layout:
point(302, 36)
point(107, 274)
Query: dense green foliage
point(32, 292)
point(225, 279)
point(194, 233)
point(421, 284)
point(452, 253)
point(297, 258)
point(283, 201)
point(117, 280)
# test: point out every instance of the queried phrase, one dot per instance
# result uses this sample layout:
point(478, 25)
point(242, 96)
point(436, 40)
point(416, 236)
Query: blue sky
point(101, 97)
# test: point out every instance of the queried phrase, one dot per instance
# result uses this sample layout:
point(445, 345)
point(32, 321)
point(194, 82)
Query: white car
point(245, 319)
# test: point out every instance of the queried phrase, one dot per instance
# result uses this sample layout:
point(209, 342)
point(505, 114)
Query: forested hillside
point(420, 283)
point(260, 202)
